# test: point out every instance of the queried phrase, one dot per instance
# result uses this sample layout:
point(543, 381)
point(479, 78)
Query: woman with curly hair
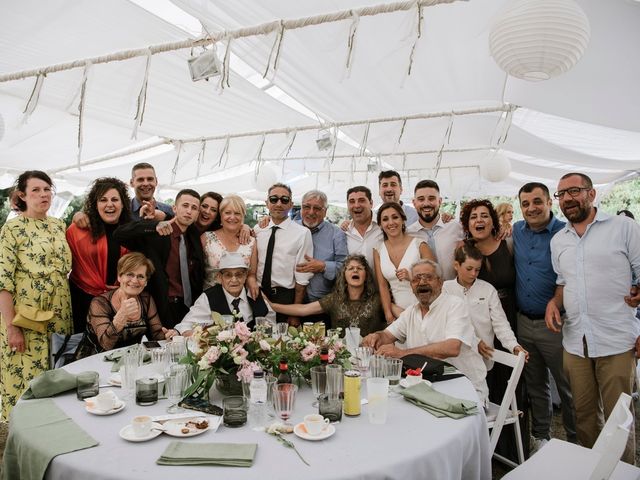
point(353, 302)
point(34, 263)
point(94, 250)
point(209, 217)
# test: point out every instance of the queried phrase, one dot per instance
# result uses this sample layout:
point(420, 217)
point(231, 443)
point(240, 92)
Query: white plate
point(174, 427)
point(127, 433)
point(96, 411)
point(115, 379)
point(326, 432)
point(404, 384)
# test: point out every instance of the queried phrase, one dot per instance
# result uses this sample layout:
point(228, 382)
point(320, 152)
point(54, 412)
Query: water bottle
point(258, 401)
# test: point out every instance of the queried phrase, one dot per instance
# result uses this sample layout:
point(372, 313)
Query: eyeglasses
point(573, 192)
point(315, 208)
point(230, 275)
point(139, 277)
point(285, 199)
point(427, 277)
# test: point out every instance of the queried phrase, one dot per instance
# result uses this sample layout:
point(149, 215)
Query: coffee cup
point(315, 423)
point(141, 425)
point(106, 400)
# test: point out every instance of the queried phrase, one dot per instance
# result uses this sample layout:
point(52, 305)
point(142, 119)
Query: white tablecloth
point(413, 444)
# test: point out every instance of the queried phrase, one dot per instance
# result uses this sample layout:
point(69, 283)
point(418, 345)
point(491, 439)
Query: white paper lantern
point(539, 39)
point(496, 167)
point(267, 176)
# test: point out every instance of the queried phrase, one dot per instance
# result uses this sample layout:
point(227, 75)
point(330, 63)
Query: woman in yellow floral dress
point(34, 262)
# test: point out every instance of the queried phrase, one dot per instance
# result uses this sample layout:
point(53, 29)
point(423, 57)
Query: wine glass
point(284, 397)
point(318, 382)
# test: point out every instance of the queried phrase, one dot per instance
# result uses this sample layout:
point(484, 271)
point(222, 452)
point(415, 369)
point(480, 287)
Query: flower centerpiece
point(229, 354)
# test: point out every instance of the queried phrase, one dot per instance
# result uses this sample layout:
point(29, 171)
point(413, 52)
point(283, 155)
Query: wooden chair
point(507, 412)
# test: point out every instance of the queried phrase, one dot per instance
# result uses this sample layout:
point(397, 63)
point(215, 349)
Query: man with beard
point(535, 285)
point(438, 326)
point(329, 250)
point(390, 189)
point(282, 245)
point(441, 237)
point(363, 233)
point(595, 257)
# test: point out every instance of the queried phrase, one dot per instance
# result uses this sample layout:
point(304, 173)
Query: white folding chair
point(563, 460)
point(507, 412)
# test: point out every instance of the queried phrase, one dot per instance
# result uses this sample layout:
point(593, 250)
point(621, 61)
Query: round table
point(413, 444)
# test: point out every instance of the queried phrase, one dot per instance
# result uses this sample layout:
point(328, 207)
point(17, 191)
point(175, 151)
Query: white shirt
point(446, 237)
point(596, 271)
point(447, 318)
point(487, 316)
point(293, 242)
point(364, 245)
point(200, 311)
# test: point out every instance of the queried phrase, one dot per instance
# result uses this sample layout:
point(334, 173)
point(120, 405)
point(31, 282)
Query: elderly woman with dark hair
point(34, 263)
point(353, 302)
point(121, 317)
point(95, 252)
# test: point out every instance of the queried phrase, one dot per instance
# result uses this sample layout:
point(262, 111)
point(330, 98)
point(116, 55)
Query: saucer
point(127, 433)
point(301, 432)
point(115, 379)
point(96, 411)
point(404, 384)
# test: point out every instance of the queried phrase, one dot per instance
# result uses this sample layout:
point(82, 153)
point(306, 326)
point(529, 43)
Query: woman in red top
point(95, 252)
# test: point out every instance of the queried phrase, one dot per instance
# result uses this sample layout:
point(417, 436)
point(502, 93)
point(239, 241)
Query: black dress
point(499, 270)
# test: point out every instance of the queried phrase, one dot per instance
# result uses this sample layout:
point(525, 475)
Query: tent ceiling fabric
point(587, 119)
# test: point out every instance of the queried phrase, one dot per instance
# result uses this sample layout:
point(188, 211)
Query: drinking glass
point(129, 372)
point(234, 411)
point(146, 391)
point(265, 325)
point(280, 330)
point(271, 381)
point(284, 398)
point(363, 357)
point(330, 407)
point(377, 366)
point(352, 337)
point(159, 360)
point(393, 373)
point(177, 350)
point(334, 380)
point(318, 382)
point(176, 382)
point(87, 385)
point(377, 395)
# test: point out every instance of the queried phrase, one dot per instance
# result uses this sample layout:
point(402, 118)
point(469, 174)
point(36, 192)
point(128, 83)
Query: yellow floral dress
point(34, 262)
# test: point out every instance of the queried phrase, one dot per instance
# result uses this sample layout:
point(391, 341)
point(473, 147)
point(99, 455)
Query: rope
point(365, 139)
point(33, 98)
point(201, 158)
point(142, 99)
point(83, 94)
point(418, 36)
point(262, 29)
point(225, 151)
point(351, 41)
point(174, 170)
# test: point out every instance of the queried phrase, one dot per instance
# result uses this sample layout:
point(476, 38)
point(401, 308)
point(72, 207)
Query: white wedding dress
point(400, 289)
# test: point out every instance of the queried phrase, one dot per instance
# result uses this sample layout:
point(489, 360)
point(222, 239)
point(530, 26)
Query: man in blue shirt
point(143, 205)
point(535, 285)
point(329, 249)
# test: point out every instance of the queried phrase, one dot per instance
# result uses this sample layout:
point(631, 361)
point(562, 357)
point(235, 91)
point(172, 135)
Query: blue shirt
point(163, 207)
point(535, 278)
point(330, 246)
point(596, 272)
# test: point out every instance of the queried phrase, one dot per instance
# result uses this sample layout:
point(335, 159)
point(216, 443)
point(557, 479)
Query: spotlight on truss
point(203, 66)
point(324, 140)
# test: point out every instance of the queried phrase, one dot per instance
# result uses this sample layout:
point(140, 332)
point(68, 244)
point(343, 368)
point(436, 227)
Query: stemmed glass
point(284, 397)
point(177, 380)
point(318, 382)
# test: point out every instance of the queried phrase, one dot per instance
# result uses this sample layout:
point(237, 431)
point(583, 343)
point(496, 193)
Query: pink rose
point(309, 352)
point(212, 354)
point(225, 335)
point(245, 372)
point(242, 331)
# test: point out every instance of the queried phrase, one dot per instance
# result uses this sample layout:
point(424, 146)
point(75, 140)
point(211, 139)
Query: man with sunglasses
point(596, 257)
point(282, 245)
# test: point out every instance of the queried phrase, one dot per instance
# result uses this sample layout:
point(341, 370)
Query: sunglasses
point(283, 199)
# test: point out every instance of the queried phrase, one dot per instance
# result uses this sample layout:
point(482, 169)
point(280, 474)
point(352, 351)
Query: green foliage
point(624, 196)
point(74, 206)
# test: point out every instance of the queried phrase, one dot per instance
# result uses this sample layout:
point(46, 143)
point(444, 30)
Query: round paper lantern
point(539, 39)
point(267, 176)
point(496, 167)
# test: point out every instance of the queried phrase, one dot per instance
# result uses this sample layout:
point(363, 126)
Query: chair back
point(509, 400)
point(612, 440)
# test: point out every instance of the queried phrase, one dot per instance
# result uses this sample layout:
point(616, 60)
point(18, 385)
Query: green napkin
point(439, 404)
point(38, 432)
point(50, 383)
point(115, 356)
point(225, 454)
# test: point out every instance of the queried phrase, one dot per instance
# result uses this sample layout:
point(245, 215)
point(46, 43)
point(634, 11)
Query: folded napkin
point(38, 432)
point(439, 404)
point(115, 356)
point(225, 454)
point(50, 383)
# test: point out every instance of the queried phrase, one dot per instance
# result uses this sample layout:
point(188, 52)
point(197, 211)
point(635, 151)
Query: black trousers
point(286, 296)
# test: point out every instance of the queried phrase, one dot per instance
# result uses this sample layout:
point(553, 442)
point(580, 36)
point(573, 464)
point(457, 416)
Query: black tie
point(235, 304)
point(266, 273)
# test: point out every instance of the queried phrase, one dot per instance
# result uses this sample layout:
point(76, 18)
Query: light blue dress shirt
point(330, 246)
point(596, 271)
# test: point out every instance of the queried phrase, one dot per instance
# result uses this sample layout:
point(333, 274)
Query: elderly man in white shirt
point(282, 245)
point(227, 297)
point(363, 233)
point(438, 326)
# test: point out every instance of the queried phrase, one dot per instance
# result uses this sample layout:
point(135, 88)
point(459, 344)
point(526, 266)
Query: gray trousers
point(545, 354)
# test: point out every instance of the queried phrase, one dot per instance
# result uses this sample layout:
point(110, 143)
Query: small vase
point(229, 384)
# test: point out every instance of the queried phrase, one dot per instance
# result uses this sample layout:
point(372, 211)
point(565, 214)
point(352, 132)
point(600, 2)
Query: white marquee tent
point(444, 121)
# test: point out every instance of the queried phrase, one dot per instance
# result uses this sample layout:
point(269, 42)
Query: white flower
point(224, 349)
point(203, 364)
point(225, 335)
point(237, 360)
point(264, 345)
